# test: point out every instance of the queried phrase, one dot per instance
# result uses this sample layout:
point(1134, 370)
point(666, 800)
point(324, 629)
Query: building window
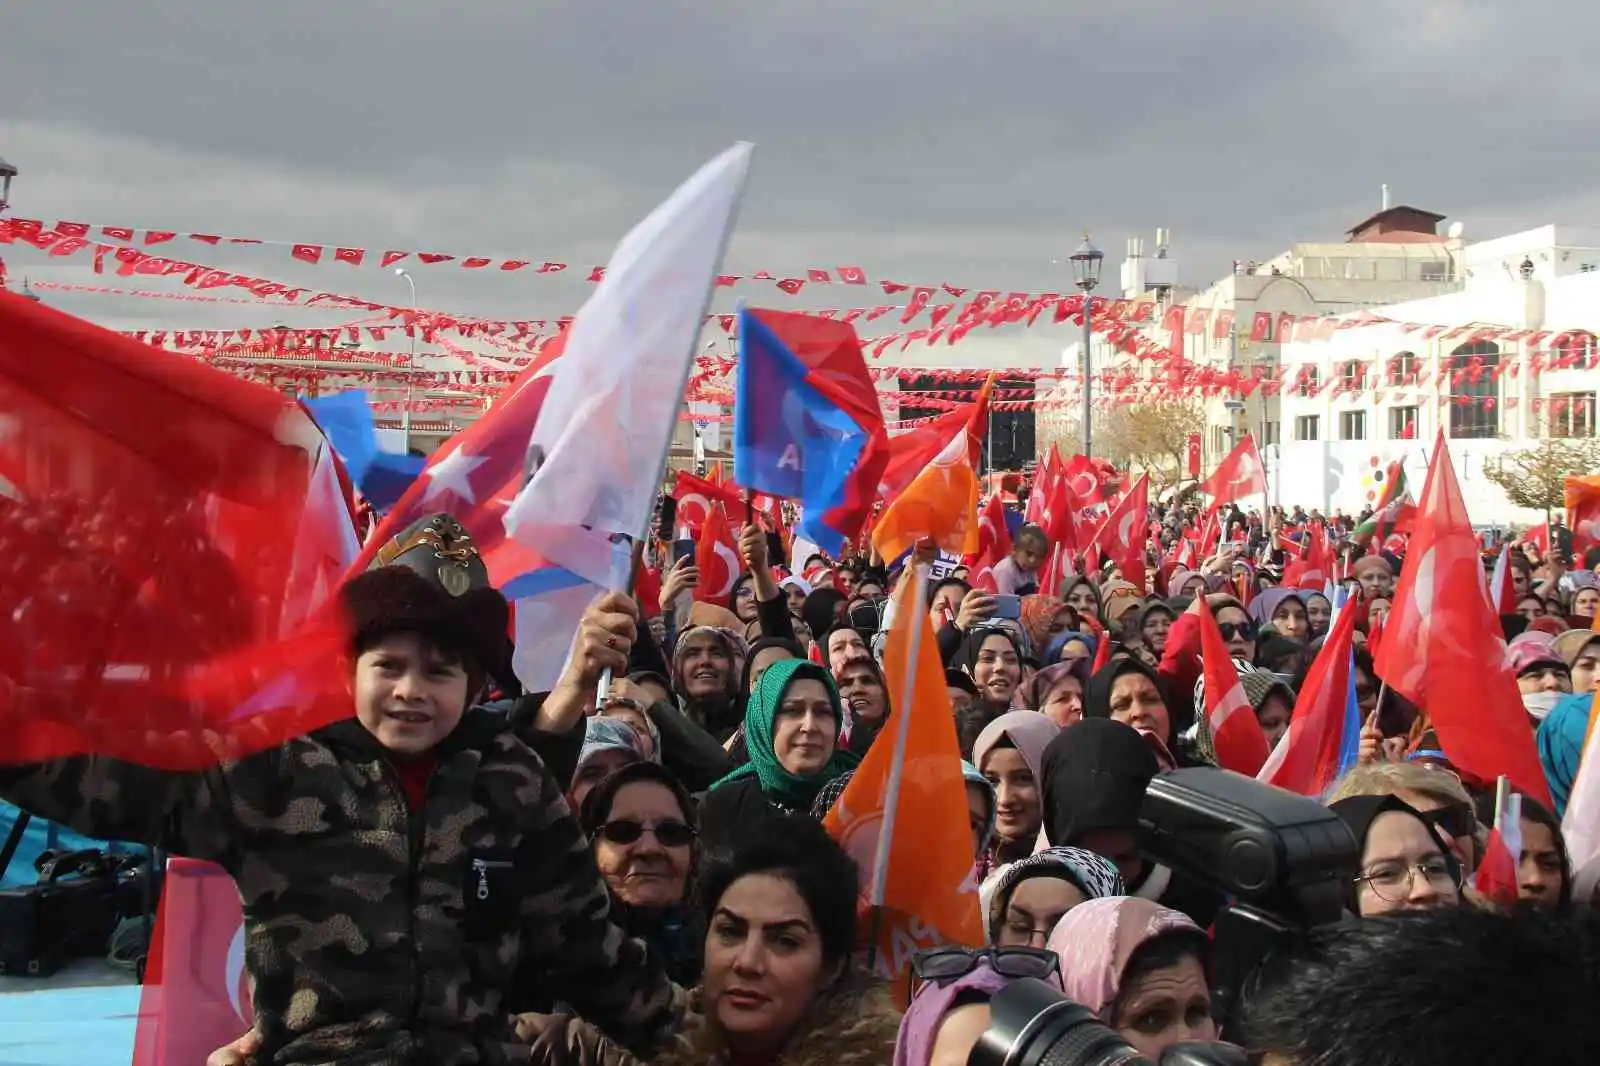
point(1308, 427)
point(1571, 414)
point(1402, 423)
point(1352, 425)
point(1574, 350)
point(1269, 433)
point(1309, 382)
point(1475, 391)
point(1220, 443)
point(1350, 375)
point(1436, 270)
point(1403, 369)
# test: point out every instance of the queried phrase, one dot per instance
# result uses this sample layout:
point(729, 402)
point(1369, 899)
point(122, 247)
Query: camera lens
point(1033, 1024)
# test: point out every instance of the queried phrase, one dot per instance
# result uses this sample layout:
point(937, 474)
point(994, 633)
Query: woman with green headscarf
point(792, 724)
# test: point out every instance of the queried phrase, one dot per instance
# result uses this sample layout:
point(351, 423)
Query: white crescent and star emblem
point(453, 474)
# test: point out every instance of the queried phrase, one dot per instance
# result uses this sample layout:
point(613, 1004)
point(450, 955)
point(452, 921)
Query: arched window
point(1475, 391)
point(1402, 369)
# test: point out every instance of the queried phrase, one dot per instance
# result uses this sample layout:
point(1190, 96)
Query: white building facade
point(1504, 360)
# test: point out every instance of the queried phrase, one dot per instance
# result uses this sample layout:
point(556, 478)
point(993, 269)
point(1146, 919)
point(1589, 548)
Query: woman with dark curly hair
point(780, 985)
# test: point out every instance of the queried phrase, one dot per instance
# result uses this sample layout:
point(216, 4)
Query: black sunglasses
point(1241, 630)
point(669, 834)
point(1457, 820)
point(948, 963)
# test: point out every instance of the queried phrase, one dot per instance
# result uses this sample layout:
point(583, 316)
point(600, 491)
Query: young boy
point(399, 869)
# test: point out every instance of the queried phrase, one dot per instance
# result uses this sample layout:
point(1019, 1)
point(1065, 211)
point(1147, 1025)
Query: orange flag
point(940, 504)
point(903, 816)
point(1582, 498)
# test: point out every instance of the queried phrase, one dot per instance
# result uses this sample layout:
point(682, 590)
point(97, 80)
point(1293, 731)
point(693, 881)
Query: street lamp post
point(411, 368)
point(7, 172)
point(1086, 275)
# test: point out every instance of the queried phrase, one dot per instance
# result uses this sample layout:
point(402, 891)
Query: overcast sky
point(968, 141)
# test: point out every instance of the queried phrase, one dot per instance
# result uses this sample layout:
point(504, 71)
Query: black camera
point(1282, 862)
point(1033, 1024)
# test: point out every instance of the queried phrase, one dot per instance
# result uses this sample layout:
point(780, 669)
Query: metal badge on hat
point(454, 578)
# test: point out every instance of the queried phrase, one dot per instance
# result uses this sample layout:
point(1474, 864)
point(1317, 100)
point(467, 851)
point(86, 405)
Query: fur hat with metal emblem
point(439, 548)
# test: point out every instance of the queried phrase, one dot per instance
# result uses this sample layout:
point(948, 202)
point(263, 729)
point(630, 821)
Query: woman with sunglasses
point(1405, 863)
point(1181, 668)
point(781, 986)
point(641, 822)
point(950, 1008)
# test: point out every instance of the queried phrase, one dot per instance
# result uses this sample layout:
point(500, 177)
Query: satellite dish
point(1456, 230)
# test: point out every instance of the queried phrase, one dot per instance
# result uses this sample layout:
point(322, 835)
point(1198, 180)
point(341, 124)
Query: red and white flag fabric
point(1502, 594)
point(1037, 512)
point(1443, 647)
point(166, 533)
point(717, 559)
point(196, 994)
point(994, 544)
point(1496, 877)
point(1239, 475)
point(1320, 744)
point(1314, 569)
point(1126, 530)
point(1236, 735)
point(695, 496)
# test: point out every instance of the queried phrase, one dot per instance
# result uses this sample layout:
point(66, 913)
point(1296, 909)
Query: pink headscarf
point(1095, 940)
point(1028, 731)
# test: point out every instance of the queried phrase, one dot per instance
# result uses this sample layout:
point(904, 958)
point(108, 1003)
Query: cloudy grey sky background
point(960, 141)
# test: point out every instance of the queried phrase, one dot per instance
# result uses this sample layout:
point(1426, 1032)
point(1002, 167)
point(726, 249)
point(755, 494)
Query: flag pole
point(1502, 797)
point(603, 689)
point(891, 798)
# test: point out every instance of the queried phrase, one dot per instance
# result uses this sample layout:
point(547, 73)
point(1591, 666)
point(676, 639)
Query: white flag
point(602, 436)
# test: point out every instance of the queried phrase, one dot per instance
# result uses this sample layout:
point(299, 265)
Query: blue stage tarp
point(42, 836)
point(69, 1027)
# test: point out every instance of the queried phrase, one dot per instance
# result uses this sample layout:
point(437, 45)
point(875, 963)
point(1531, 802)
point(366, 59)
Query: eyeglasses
point(1458, 820)
point(669, 834)
point(1239, 630)
point(948, 963)
point(1393, 881)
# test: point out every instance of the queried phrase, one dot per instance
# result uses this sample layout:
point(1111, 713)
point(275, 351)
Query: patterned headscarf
point(1037, 614)
point(760, 717)
point(607, 734)
point(1095, 940)
point(734, 642)
point(1096, 877)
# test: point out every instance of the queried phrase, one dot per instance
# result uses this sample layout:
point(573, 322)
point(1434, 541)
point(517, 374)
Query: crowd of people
point(633, 866)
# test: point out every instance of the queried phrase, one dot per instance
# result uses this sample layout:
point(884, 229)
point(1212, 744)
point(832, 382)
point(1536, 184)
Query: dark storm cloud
point(961, 141)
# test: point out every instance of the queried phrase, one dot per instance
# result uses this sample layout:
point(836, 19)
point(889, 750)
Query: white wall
point(1348, 476)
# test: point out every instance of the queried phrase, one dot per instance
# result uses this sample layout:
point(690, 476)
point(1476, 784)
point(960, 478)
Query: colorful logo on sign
point(1373, 477)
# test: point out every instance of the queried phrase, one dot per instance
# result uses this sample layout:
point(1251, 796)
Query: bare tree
point(1153, 437)
point(1532, 477)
